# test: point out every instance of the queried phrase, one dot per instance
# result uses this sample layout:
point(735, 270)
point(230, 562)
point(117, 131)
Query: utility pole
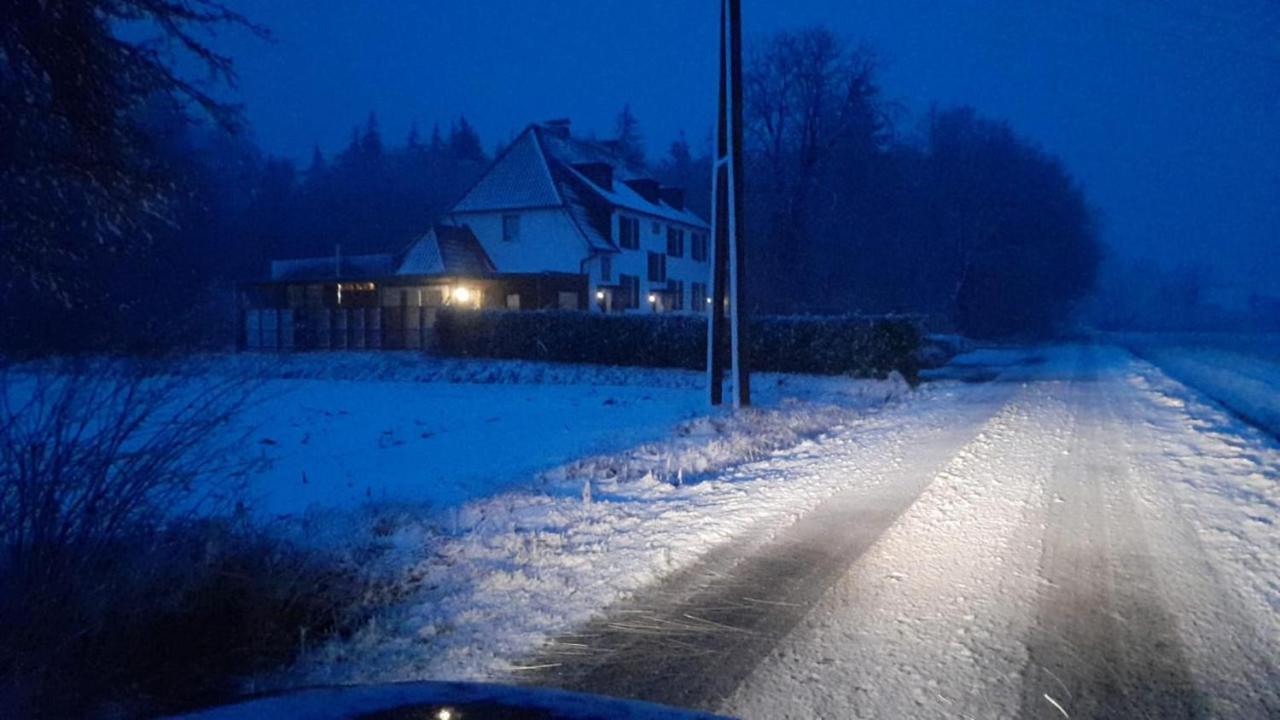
point(726, 330)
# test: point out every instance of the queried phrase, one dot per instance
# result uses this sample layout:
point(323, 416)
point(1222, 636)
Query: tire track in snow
point(930, 623)
point(692, 639)
point(1104, 645)
point(1202, 478)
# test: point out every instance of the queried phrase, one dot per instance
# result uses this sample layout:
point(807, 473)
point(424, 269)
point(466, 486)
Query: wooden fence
point(374, 328)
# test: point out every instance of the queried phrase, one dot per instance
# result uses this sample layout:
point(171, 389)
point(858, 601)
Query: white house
point(553, 203)
point(556, 223)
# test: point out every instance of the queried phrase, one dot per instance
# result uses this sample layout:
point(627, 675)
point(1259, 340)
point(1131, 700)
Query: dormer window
point(510, 228)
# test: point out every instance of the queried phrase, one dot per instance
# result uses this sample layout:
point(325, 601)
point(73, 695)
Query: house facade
point(555, 223)
point(555, 203)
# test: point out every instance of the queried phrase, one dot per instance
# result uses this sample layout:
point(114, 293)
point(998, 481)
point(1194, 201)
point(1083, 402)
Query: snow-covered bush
point(855, 346)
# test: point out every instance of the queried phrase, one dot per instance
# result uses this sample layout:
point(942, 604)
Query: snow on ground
point(506, 503)
point(344, 430)
point(1220, 479)
point(340, 444)
point(1242, 372)
point(1160, 509)
point(931, 621)
point(488, 583)
point(952, 611)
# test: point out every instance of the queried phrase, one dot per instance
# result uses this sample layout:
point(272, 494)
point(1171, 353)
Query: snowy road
point(1081, 537)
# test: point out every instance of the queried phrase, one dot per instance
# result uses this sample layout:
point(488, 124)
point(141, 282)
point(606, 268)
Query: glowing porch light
point(446, 714)
point(462, 295)
point(599, 294)
point(653, 298)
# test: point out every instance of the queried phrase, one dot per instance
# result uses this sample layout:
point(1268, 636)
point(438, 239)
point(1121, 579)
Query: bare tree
point(807, 95)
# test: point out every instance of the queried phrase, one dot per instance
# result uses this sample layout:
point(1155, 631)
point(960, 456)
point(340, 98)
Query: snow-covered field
point(344, 431)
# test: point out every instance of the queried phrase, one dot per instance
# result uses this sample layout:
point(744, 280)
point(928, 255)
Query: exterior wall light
point(463, 295)
point(653, 299)
point(600, 295)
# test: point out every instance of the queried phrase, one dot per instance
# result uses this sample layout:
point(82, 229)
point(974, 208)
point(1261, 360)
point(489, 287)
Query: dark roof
point(332, 267)
point(446, 250)
point(591, 213)
point(461, 251)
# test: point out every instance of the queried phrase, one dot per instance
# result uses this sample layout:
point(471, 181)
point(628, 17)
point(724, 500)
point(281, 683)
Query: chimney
point(648, 189)
point(558, 127)
point(673, 197)
point(597, 172)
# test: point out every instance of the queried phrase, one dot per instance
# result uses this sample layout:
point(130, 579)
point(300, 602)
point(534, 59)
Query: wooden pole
point(726, 330)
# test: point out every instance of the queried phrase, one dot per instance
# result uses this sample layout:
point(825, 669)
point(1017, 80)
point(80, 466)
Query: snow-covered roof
point(564, 149)
point(541, 168)
point(519, 178)
point(332, 267)
point(446, 250)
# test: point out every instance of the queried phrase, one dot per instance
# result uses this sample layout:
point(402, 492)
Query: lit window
point(676, 294)
point(698, 297)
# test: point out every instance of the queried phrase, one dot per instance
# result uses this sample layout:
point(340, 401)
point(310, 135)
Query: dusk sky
point(1166, 111)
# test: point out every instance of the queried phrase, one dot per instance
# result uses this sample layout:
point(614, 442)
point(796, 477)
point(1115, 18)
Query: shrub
point(116, 586)
point(826, 346)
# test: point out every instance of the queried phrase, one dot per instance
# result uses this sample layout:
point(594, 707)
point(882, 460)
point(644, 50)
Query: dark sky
point(1168, 111)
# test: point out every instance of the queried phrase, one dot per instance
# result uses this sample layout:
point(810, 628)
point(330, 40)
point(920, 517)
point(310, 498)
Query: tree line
point(129, 209)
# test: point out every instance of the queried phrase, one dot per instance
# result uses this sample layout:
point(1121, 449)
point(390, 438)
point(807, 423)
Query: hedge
point(860, 347)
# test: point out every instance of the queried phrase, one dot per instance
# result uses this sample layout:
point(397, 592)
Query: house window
point(606, 267)
point(698, 297)
point(698, 247)
point(510, 228)
point(675, 242)
point(629, 286)
point(676, 291)
point(657, 267)
point(628, 233)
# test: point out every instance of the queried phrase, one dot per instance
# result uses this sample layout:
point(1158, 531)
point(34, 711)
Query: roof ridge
point(546, 163)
